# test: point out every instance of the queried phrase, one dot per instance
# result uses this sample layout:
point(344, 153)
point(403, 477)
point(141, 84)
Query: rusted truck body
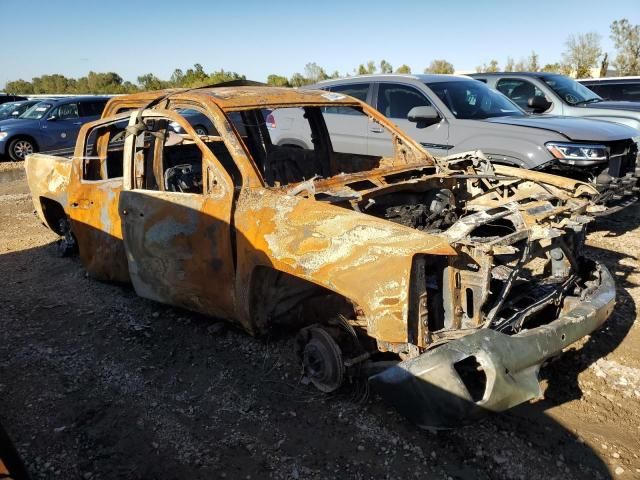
point(446, 283)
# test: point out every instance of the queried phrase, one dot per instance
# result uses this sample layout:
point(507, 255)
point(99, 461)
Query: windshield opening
point(473, 100)
point(36, 112)
point(571, 91)
point(294, 144)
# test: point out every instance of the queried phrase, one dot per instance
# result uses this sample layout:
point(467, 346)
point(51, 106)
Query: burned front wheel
point(321, 357)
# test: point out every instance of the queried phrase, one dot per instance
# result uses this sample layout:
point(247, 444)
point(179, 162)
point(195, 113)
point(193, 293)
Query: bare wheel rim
point(22, 148)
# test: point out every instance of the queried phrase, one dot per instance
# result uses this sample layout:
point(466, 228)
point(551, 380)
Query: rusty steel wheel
point(322, 360)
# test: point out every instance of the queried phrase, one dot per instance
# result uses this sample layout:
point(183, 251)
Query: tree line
point(583, 52)
point(111, 82)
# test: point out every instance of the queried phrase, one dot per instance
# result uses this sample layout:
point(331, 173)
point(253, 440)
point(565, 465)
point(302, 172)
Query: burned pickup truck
point(444, 283)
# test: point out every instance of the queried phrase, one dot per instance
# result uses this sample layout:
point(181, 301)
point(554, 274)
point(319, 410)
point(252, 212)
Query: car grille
point(622, 158)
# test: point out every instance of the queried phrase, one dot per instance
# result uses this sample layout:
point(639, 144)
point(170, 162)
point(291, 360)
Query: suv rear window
point(355, 90)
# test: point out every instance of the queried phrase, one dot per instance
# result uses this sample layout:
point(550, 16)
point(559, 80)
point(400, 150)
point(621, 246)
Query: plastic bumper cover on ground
point(433, 391)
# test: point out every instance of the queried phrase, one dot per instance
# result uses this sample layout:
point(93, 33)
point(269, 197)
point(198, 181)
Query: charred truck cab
point(446, 283)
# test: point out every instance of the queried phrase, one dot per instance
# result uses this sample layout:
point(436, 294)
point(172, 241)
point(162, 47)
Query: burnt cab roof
point(232, 98)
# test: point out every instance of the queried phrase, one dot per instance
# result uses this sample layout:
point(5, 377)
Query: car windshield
point(5, 107)
point(473, 100)
point(36, 112)
point(571, 91)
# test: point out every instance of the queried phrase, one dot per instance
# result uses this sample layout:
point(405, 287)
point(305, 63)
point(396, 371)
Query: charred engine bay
point(431, 211)
point(512, 272)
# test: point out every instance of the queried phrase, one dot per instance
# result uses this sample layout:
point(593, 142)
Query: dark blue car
point(48, 125)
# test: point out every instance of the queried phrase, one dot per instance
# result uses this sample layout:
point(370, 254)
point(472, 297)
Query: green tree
point(177, 78)
point(17, 87)
point(404, 68)
point(492, 67)
point(626, 38)
point(385, 67)
point(532, 62)
point(604, 65)
point(278, 80)
point(195, 77)
point(108, 82)
point(552, 68)
point(128, 87)
point(298, 80)
point(371, 67)
point(150, 82)
point(582, 53)
point(368, 69)
point(509, 65)
point(314, 73)
point(221, 76)
point(440, 66)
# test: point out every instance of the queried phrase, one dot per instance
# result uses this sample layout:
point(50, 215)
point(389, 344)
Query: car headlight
point(578, 154)
point(3, 135)
point(175, 126)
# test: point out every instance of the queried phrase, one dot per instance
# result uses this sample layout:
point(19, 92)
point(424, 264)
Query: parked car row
point(47, 125)
point(554, 94)
point(451, 114)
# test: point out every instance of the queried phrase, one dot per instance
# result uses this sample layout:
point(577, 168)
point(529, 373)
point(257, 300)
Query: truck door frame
point(179, 245)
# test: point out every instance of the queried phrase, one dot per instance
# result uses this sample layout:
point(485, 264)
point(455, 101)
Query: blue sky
point(257, 38)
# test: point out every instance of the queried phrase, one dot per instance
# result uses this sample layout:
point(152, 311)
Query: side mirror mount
point(538, 104)
point(423, 116)
point(52, 118)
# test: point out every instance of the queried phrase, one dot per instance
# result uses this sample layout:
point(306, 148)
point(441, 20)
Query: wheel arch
point(293, 142)
point(25, 136)
point(53, 212)
point(280, 300)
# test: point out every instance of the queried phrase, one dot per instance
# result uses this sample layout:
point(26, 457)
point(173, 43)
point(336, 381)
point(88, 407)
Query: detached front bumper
point(487, 370)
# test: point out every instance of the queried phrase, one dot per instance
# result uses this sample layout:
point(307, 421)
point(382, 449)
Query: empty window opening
point(166, 160)
point(293, 144)
point(104, 151)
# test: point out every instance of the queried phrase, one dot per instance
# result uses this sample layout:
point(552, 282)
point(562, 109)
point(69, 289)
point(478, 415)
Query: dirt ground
point(96, 383)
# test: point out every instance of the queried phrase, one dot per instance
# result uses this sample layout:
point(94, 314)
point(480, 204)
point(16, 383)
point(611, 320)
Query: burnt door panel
point(178, 249)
